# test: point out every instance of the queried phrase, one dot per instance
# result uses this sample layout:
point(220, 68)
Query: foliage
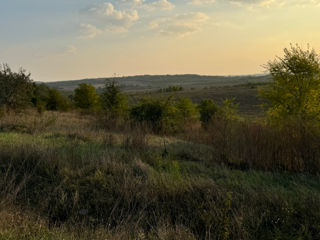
point(86, 97)
point(229, 110)
point(295, 91)
point(162, 115)
point(207, 109)
point(40, 96)
point(171, 89)
point(72, 182)
point(113, 102)
point(15, 88)
point(56, 101)
point(187, 111)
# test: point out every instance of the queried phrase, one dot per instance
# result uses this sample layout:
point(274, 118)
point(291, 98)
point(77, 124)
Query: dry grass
point(70, 178)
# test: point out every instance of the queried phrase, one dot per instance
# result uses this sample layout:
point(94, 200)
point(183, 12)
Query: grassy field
point(67, 176)
point(245, 95)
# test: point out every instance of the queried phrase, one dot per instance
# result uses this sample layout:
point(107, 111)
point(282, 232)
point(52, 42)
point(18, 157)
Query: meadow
point(71, 176)
point(171, 162)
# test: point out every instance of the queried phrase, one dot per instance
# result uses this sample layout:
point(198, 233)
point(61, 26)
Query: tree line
point(293, 93)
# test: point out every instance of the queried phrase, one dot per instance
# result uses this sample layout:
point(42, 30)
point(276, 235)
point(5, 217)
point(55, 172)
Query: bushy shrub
point(161, 115)
point(15, 88)
point(295, 90)
point(113, 102)
point(207, 109)
point(187, 110)
point(56, 101)
point(86, 97)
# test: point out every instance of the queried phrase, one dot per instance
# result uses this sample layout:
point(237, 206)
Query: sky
point(76, 39)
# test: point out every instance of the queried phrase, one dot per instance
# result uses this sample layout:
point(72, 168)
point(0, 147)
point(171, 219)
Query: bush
point(86, 97)
point(113, 102)
point(15, 88)
point(207, 109)
point(56, 101)
point(161, 115)
point(295, 90)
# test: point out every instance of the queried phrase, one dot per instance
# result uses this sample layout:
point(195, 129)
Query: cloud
point(180, 25)
point(71, 49)
point(89, 31)
point(118, 20)
point(201, 2)
point(159, 5)
point(164, 5)
point(305, 3)
point(261, 3)
point(106, 17)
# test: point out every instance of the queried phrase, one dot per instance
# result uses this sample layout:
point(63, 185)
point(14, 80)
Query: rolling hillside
point(150, 82)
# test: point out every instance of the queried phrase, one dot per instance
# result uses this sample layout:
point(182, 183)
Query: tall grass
point(292, 146)
point(75, 180)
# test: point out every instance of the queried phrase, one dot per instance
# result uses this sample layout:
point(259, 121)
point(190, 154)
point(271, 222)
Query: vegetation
point(86, 97)
point(164, 167)
point(113, 102)
point(295, 90)
point(56, 101)
point(207, 109)
point(171, 89)
point(15, 88)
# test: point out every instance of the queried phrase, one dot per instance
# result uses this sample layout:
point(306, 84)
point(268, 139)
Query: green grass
point(74, 180)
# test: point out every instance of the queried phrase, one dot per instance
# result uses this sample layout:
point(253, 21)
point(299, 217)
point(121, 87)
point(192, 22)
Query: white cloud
point(118, 20)
point(201, 2)
point(164, 5)
point(180, 25)
point(159, 5)
point(89, 31)
point(261, 3)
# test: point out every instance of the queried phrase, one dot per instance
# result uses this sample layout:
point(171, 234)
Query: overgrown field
point(68, 176)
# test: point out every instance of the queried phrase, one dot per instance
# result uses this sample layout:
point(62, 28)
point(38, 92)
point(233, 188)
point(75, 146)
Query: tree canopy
point(295, 90)
point(113, 101)
point(15, 87)
point(86, 97)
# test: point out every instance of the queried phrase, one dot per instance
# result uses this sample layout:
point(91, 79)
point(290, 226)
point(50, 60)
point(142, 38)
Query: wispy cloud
point(201, 2)
point(89, 31)
point(163, 5)
point(180, 25)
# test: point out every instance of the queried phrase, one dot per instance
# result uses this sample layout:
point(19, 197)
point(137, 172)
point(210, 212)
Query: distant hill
point(154, 82)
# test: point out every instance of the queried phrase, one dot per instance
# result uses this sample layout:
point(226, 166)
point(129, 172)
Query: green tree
point(229, 110)
point(295, 90)
point(15, 88)
point(207, 109)
point(160, 114)
point(86, 97)
point(113, 102)
point(187, 110)
point(56, 101)
point(40, 94)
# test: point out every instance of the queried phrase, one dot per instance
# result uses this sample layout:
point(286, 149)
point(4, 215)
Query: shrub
point(295, 90)
point(86, 97)
point(187, 110)
point(15, 88)
point(159, 114)
point(57, 101)
point(207, 109)
point(113, 102)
